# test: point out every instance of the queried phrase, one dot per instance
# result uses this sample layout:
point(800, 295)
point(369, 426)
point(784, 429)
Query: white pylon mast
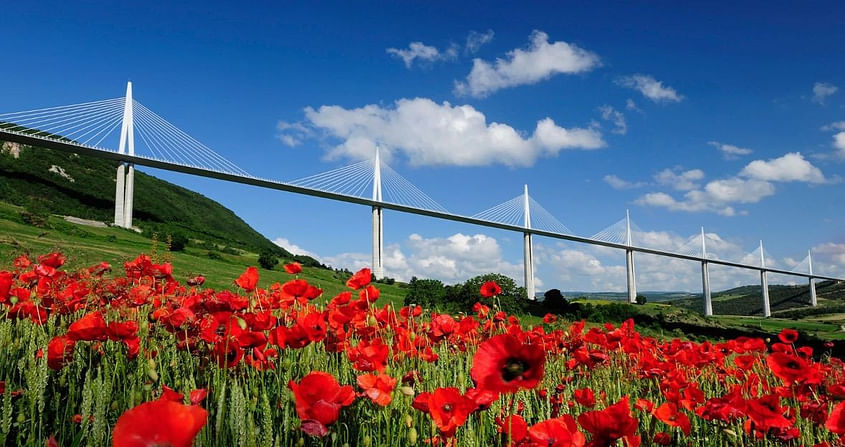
point(122, 197)
point(528, 248)
point(629, 261)
point(128, 118)
point(764, 283)
point(378, 220)
point(813, 298)
point(705, 278)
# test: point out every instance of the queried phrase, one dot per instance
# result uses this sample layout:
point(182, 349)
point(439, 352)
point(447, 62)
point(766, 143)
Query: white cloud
point(829, 259)
point(791, 167)
point(729, 151)
point(839, 143)
point(428, 133)
point(839, 125)
point(608, 113)
point(678, 179)
point(650, 88)
point(821, 90)
point(422, 53)
point(619, 183)
point(293, 248)
point(540, 61)
point(631, 105)
point(475, 40)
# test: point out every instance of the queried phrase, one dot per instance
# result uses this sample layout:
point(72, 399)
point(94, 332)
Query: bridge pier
point(813, 299)
point(705, 279)
point(125, 185)
point(629, 262)
point(764, 283)
point(528, 249)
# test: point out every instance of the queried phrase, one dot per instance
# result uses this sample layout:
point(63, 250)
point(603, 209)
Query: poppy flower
point(319, 399)
point(558, 432)
point(787, 367)
point(505, 365)
point(611, 424)
point(378, 388)
point(59, 352)
point(360, 279)
point(514, 428)
point(248, 280)
point(669, 414)
point(836, 421)
point(196, 280)
point(293, 268)
point(160, 422)
point(788, 336)
point(447, 407)
point(490, 289)
point(585, 397)
point(90, 327)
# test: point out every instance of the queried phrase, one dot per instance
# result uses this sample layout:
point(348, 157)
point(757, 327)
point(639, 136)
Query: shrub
point(178, 241)
point(554, 301)
point(641, 299)
point(267, 260)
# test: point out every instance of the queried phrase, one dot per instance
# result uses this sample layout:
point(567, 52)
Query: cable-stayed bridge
point(89, 128)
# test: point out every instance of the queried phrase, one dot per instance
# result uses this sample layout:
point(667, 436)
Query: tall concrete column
point(125, 185)
point(528, 249)
point(813, 299)
point(629, 262)
point(378, 221)
point(705, 279)
point(130, 195)
point(764, 283)
point(119, 194)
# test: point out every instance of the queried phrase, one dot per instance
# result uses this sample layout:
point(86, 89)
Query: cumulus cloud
point(422, 53)
point(540, 61)
point(729, 151)
point(475, 40)
point(791, 167)
point(294, 249)
point(676, 178)
point(428, 133)
point(616, 117)
point(650, 88)
point(821, 90)
point(619, 183)
point(838, 137)
point(752, 184)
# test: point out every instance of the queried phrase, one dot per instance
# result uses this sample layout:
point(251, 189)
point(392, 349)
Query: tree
point(554, 301)
point(428, 293)
point(641, 299)
point(178, 241)
point(267, 260)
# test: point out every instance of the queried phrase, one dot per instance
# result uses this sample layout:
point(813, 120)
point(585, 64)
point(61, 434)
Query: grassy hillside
point(44, 181)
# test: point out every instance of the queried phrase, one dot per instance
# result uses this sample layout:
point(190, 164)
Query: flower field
point(137, 357)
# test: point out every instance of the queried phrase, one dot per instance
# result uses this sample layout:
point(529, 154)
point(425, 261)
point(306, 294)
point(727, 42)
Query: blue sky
point(687, 115)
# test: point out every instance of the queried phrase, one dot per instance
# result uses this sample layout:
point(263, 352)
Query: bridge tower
point(125, 185)
point(629, 261)
point(378, 221)
point(813, 299)
point(764, 283)
point(528, 248)
point(705, 279)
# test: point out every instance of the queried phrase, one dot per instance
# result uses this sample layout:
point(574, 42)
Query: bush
point(641, 299)
point(267, 260)
point(554, 301)
point(214, 255)
point(432, 294)
point(178, 241)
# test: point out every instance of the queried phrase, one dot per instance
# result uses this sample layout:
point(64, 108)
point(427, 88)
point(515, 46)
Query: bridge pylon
point(629, 261)
point(813, 299)
point(378, 221)
point(528, 249)
point(125, 184)
point(705, 279)
point(764, 283)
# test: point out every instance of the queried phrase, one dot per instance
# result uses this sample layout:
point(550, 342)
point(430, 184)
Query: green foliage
point(641, 299)
point(431, 293)
point(178, 241)
point(267, 260)
point(554, 301)
point(425, 292)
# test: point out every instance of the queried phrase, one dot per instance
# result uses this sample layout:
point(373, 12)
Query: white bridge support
point(125, 184)
point(378, 221)
point(629, 261)
point(705, 279)
point(528, 249)
point(813, 299)
point(764, 283)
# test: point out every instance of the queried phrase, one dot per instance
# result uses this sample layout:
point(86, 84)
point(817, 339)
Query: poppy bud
point(368, 441)
point(241, 322)
point(406, 390)
point(409, 421)
point(153, 375)
point(412, 436)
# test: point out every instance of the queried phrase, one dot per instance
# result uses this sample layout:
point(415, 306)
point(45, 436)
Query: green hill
point(785, 300)
point(44, 182)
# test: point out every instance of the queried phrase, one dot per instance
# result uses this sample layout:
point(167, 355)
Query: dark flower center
point(447, 408)
point(514, 368)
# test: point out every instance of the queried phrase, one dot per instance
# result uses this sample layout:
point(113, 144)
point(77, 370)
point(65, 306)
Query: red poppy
point(787, 367)
point(248, 280)
point(836, 421)
point(160, 422)
point(300, 290)
point(319, 399)
point(585, 397)
point(765, 413)
point(90, 327)
point(59, 352)
point(293, 268)
point(378, 388)
point(788, 336)
point(447, 407)
point(669, 414)
point(360, 279)
point(506, 365)
point(549, 318)
point(490, 289)
point(196, 280)
point(514, 428)
point(558, 432)
point(54, 260)
point(608, 425)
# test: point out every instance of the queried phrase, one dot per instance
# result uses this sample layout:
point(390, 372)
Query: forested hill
point(43, 180)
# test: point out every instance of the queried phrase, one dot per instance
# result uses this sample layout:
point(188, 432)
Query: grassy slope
point(159, 206)
point(86, 245)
